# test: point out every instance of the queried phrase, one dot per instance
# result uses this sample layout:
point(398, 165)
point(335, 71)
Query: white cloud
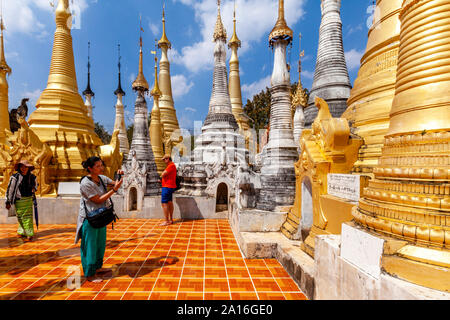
point(307, 74)
point(129, 116)
point(33, 96)
point(180, 85)
point(154, 28)
point(256, 87)
point(22, 16)
point(255, 19)
point(132, 77)
point(9, 55)
point(352, 29)
point(190, 109)
point(353, 58)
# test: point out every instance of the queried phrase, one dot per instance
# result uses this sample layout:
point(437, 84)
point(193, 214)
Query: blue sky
point(30, 27)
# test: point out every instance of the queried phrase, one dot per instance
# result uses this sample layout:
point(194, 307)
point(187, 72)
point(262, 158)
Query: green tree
point(102, 133)
point(258, 108)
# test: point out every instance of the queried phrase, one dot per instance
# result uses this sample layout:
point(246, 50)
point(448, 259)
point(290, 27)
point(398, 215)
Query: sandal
point(94, 280)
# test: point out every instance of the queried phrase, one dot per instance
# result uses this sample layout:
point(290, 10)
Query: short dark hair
point(90, 162)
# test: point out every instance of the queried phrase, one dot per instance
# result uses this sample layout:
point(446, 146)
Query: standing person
point(21, 188)
point(94, 195)
point(169, 184)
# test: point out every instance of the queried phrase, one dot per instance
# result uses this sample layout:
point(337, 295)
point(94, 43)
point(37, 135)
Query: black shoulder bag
point(101, 217)
point(178, 181)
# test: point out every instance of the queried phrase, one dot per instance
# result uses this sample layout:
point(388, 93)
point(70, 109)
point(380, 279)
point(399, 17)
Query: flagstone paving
point(193, 259)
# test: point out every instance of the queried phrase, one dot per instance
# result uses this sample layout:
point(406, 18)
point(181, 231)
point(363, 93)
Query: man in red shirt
point(169, 184)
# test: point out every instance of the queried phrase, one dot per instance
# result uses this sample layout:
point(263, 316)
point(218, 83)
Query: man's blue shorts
point(166, 194)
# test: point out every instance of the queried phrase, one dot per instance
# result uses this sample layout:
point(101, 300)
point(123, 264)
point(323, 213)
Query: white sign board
point(345, 186)
point(68, 189)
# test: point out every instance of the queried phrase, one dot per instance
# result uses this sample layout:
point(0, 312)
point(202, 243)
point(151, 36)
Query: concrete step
point(267, 245)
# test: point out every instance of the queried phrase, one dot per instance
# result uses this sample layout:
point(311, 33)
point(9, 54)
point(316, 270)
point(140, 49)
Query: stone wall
point(65, 210)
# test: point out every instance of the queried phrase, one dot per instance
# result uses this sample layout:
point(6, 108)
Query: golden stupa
point(4, 89)
point(59, 136)
point(409, 199)
point(60, 118)
point(373, 91)
point(234, 86)
point(166, 104)
point(156, 127)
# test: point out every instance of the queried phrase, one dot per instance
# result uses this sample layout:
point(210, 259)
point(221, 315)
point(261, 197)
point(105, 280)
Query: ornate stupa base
point(426, 266)
point(219, 153)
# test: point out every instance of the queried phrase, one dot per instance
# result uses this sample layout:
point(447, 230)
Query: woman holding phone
point(94, 195)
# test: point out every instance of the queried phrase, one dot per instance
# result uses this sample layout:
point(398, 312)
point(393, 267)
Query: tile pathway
point(194, 259)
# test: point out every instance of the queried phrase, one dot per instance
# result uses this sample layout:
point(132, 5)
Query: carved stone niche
point(134, 184)
point(248, 185)
point(327, 148)
point(134, 198)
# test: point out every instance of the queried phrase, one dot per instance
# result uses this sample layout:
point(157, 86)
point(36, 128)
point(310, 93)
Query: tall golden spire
point(281, 29)
point(156, 93)
point(166, 104)
point(156, 127)
point(164, 40)
point(234, 38)
point(234, 83)
point(140, 84)
point(219, 30)
point(299, 97)
point(4, 88)
point(3, 65)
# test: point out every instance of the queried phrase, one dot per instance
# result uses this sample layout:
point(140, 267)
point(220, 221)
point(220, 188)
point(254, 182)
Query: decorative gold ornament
point(326, 148)
point(25, 145)
point(219, 30)
point(281, 29)
point(111, 155)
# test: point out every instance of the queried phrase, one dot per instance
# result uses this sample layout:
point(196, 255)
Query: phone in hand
point(117, 176)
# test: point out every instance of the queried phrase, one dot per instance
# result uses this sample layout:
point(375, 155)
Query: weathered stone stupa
point(409, 198)
point(119, 123)
point(140, 169)
point(220, 148)
point(331, 80)
point(280, 153)
point(371, 97)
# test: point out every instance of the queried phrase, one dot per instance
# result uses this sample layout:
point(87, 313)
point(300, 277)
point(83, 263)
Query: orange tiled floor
point(189, 260)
